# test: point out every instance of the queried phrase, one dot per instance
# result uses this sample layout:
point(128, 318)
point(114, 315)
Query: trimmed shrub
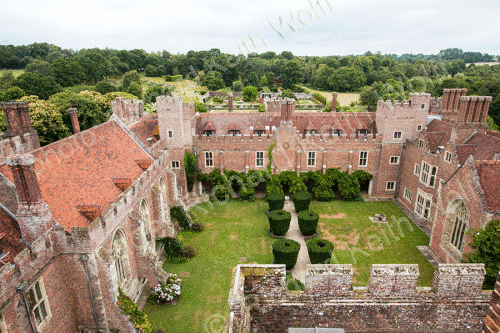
point(320, 251)
point(276, 201)
point(298, 186)
point(247, 193)
point(301, 201)
point(279, 221)
point(308, 222)
point(320, 98)
point(286, 251)
point(179, 215)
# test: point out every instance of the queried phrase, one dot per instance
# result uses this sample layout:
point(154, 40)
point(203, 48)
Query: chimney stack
point(287, 109)
point(334, 102)
point(73, 114)
point(230, 102)
point(33, 213)
point(17, 116)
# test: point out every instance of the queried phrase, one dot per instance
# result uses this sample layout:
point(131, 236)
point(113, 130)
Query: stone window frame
point(460, 226)
point(416, 170)
point(175, 164)
point(390, 186)
point(119, 251)
point(423, 205)
point(146, 228)
point(408, 195)
point(259, 160)
point(209, 133)
point(3, 325)
point(394, 160)
point(428, 176)
point(311, 159)
point(209, 159)
point(420, 143)
point(170, 134)
point(450, 225)
point(337, 131)
point(39, 303)
point(422, 106)
point(447, 156)
point(398, 135)
point(363, 158)
point(259, 133)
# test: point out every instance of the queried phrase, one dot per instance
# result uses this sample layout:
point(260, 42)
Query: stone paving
point(299, 271)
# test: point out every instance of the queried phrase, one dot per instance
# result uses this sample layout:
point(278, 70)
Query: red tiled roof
point(481, 146)
point(489, 178)
point(83, 174)
point(438, 133)
point(9, 237)
point(145, 128)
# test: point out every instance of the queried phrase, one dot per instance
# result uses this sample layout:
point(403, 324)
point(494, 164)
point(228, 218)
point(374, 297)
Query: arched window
point(146, 220)
point(461, 223)
point(120, 253)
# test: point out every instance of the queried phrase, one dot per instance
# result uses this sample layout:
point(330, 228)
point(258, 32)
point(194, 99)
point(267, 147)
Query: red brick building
point(79, 216)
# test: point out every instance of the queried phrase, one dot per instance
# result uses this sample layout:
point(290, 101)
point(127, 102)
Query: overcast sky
point(327, 27)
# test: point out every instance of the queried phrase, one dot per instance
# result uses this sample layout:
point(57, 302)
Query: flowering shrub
point(167, 292)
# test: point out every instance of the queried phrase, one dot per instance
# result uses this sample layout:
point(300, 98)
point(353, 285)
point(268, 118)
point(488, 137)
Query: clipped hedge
point(279, 221)
point(308, 222)
point(286, 251)
point(301, 201)
point(276, 201)
point(247, 193)
point(320, 251)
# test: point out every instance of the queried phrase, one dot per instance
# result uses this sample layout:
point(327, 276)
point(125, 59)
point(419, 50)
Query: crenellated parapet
point(127, 110)
point(258, 299)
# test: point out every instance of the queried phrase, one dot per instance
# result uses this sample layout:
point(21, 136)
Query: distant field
point(186, 88)
point(16, 72)
point(343, 98)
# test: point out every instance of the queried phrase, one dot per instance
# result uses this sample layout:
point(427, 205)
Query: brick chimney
point(474, 109)
point(287, 109)
point(334, 101)
point(33, 214)
point(230, 102)
point(17, 116)
point(451, 99)
point(73, 114)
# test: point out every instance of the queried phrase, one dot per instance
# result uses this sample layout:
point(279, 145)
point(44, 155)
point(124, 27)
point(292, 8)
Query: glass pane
point(42, 308)
point(37, 316)
point(38, 291)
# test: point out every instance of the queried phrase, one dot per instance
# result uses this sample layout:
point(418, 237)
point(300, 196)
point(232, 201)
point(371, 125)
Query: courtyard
point(237, 232)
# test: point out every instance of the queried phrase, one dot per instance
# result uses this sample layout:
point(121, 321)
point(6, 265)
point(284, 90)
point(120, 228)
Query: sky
point(320, 27)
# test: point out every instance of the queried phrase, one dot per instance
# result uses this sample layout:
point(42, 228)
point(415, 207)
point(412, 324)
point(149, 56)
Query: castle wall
point(259, 303)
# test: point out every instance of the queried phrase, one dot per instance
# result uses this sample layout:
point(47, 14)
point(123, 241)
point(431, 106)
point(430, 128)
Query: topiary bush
point(320, 251)
point(308, 222)
point(276, 201)
point(301, 201)
point(247, 193)
point(279, 221)
point(286, 251)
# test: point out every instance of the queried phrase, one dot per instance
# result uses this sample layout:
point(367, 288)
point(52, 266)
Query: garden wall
point(392, 303)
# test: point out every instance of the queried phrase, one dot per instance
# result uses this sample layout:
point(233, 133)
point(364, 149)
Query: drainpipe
point(20, 289)
point(85, 258)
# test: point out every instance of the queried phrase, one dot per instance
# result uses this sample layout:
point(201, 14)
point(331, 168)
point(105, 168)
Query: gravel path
point(299, 271)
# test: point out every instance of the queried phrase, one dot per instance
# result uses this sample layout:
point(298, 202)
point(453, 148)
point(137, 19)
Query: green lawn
point(238, 229)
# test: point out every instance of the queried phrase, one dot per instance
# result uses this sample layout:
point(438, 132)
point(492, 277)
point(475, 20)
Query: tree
point(486, 249)
point(135, 88)
point(156, 90)
point(250, 93)
point(93, 108)
point(323, 74)
point(104, 87)
point(39, 66)
point(237, 86)
point(213, 80)
point(13, 93)
point(36, 84)
point(46, 120)
point(130, 77)
point(347, 78)
point(494, 111)
point(68, 72)
point(6, 80)
point(291, 73)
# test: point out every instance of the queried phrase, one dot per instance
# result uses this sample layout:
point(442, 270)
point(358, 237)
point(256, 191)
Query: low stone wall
point(259, 302)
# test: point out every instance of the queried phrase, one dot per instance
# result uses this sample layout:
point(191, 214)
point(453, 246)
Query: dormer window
point(420, 143)
point(362, 132)
point(209, 132)
point(337, 132)
point(234, 132)
point(259, 132)
point(310, 132)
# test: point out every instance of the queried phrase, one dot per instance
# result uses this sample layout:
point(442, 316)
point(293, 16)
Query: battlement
point(330, 138)
point(258, 299)
point(127, 110)
point(16, 146)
